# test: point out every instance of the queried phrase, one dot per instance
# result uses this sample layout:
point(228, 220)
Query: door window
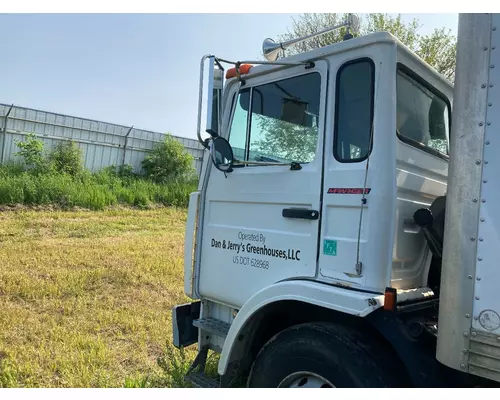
point(422, 115)
point(354, 110)
point(278, 121)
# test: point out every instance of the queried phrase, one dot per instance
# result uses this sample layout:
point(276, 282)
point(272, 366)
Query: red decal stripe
point(348, 190)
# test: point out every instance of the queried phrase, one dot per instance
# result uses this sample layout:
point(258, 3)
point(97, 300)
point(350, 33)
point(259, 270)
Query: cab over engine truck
point(345, 232)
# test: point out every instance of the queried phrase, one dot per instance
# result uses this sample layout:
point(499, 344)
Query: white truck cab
point(314, 244)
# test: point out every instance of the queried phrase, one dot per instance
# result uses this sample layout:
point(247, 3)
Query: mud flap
point(183, 331)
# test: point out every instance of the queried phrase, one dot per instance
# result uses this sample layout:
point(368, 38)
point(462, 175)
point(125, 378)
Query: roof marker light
point(244, 69)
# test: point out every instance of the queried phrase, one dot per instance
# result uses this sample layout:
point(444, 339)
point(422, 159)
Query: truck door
point(346, 153)
point(260, 222)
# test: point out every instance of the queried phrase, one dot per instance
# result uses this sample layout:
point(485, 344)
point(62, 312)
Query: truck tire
point(322, 355)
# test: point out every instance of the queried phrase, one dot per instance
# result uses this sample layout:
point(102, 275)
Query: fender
point(335, 298)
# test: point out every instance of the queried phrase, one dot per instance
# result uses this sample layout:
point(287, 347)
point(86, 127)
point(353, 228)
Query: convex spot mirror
point(353, 21)
point(222, 154)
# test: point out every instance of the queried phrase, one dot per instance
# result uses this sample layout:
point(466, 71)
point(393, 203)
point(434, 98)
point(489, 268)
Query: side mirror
point(222, 154)
point(215, 85)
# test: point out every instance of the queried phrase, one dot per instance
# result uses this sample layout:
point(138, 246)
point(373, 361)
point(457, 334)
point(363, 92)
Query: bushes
point(60, 179)
point(169, 162)
point(67, 158)
point(32, 152)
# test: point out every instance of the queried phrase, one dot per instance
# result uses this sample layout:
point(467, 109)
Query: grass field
point(85, 298)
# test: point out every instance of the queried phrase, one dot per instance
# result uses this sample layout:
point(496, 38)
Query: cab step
point(196, 372)
point(213, 326)
point(200, 380)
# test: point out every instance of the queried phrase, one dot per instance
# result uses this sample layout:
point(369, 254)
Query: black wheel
point(321, 355)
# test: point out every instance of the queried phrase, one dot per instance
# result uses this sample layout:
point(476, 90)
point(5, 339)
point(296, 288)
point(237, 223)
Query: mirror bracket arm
point(206, 144)
point(237, 67)
point(218, 63)
point(310, 64)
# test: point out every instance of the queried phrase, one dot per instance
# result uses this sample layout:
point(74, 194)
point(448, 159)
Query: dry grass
point(86, 297)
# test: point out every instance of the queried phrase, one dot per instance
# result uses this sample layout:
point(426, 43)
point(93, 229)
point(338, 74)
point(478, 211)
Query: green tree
point(438, 49)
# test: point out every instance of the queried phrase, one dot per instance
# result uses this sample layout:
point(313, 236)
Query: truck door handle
point(301, 213)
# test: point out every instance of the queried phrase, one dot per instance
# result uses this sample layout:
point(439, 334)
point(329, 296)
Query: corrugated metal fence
point(103, 143)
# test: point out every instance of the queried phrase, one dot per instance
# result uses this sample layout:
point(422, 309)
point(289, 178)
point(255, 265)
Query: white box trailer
point(469, 304)
point(353, 240)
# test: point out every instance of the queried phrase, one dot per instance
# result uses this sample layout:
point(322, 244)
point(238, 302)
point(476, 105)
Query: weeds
point(58, 178)
point(175, 364)
point(92, 191)
point(8, 373)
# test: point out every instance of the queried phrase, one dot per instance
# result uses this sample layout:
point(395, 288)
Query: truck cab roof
point(355, 43)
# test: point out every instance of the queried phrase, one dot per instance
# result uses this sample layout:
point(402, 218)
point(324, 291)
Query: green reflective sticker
point(330, 247)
